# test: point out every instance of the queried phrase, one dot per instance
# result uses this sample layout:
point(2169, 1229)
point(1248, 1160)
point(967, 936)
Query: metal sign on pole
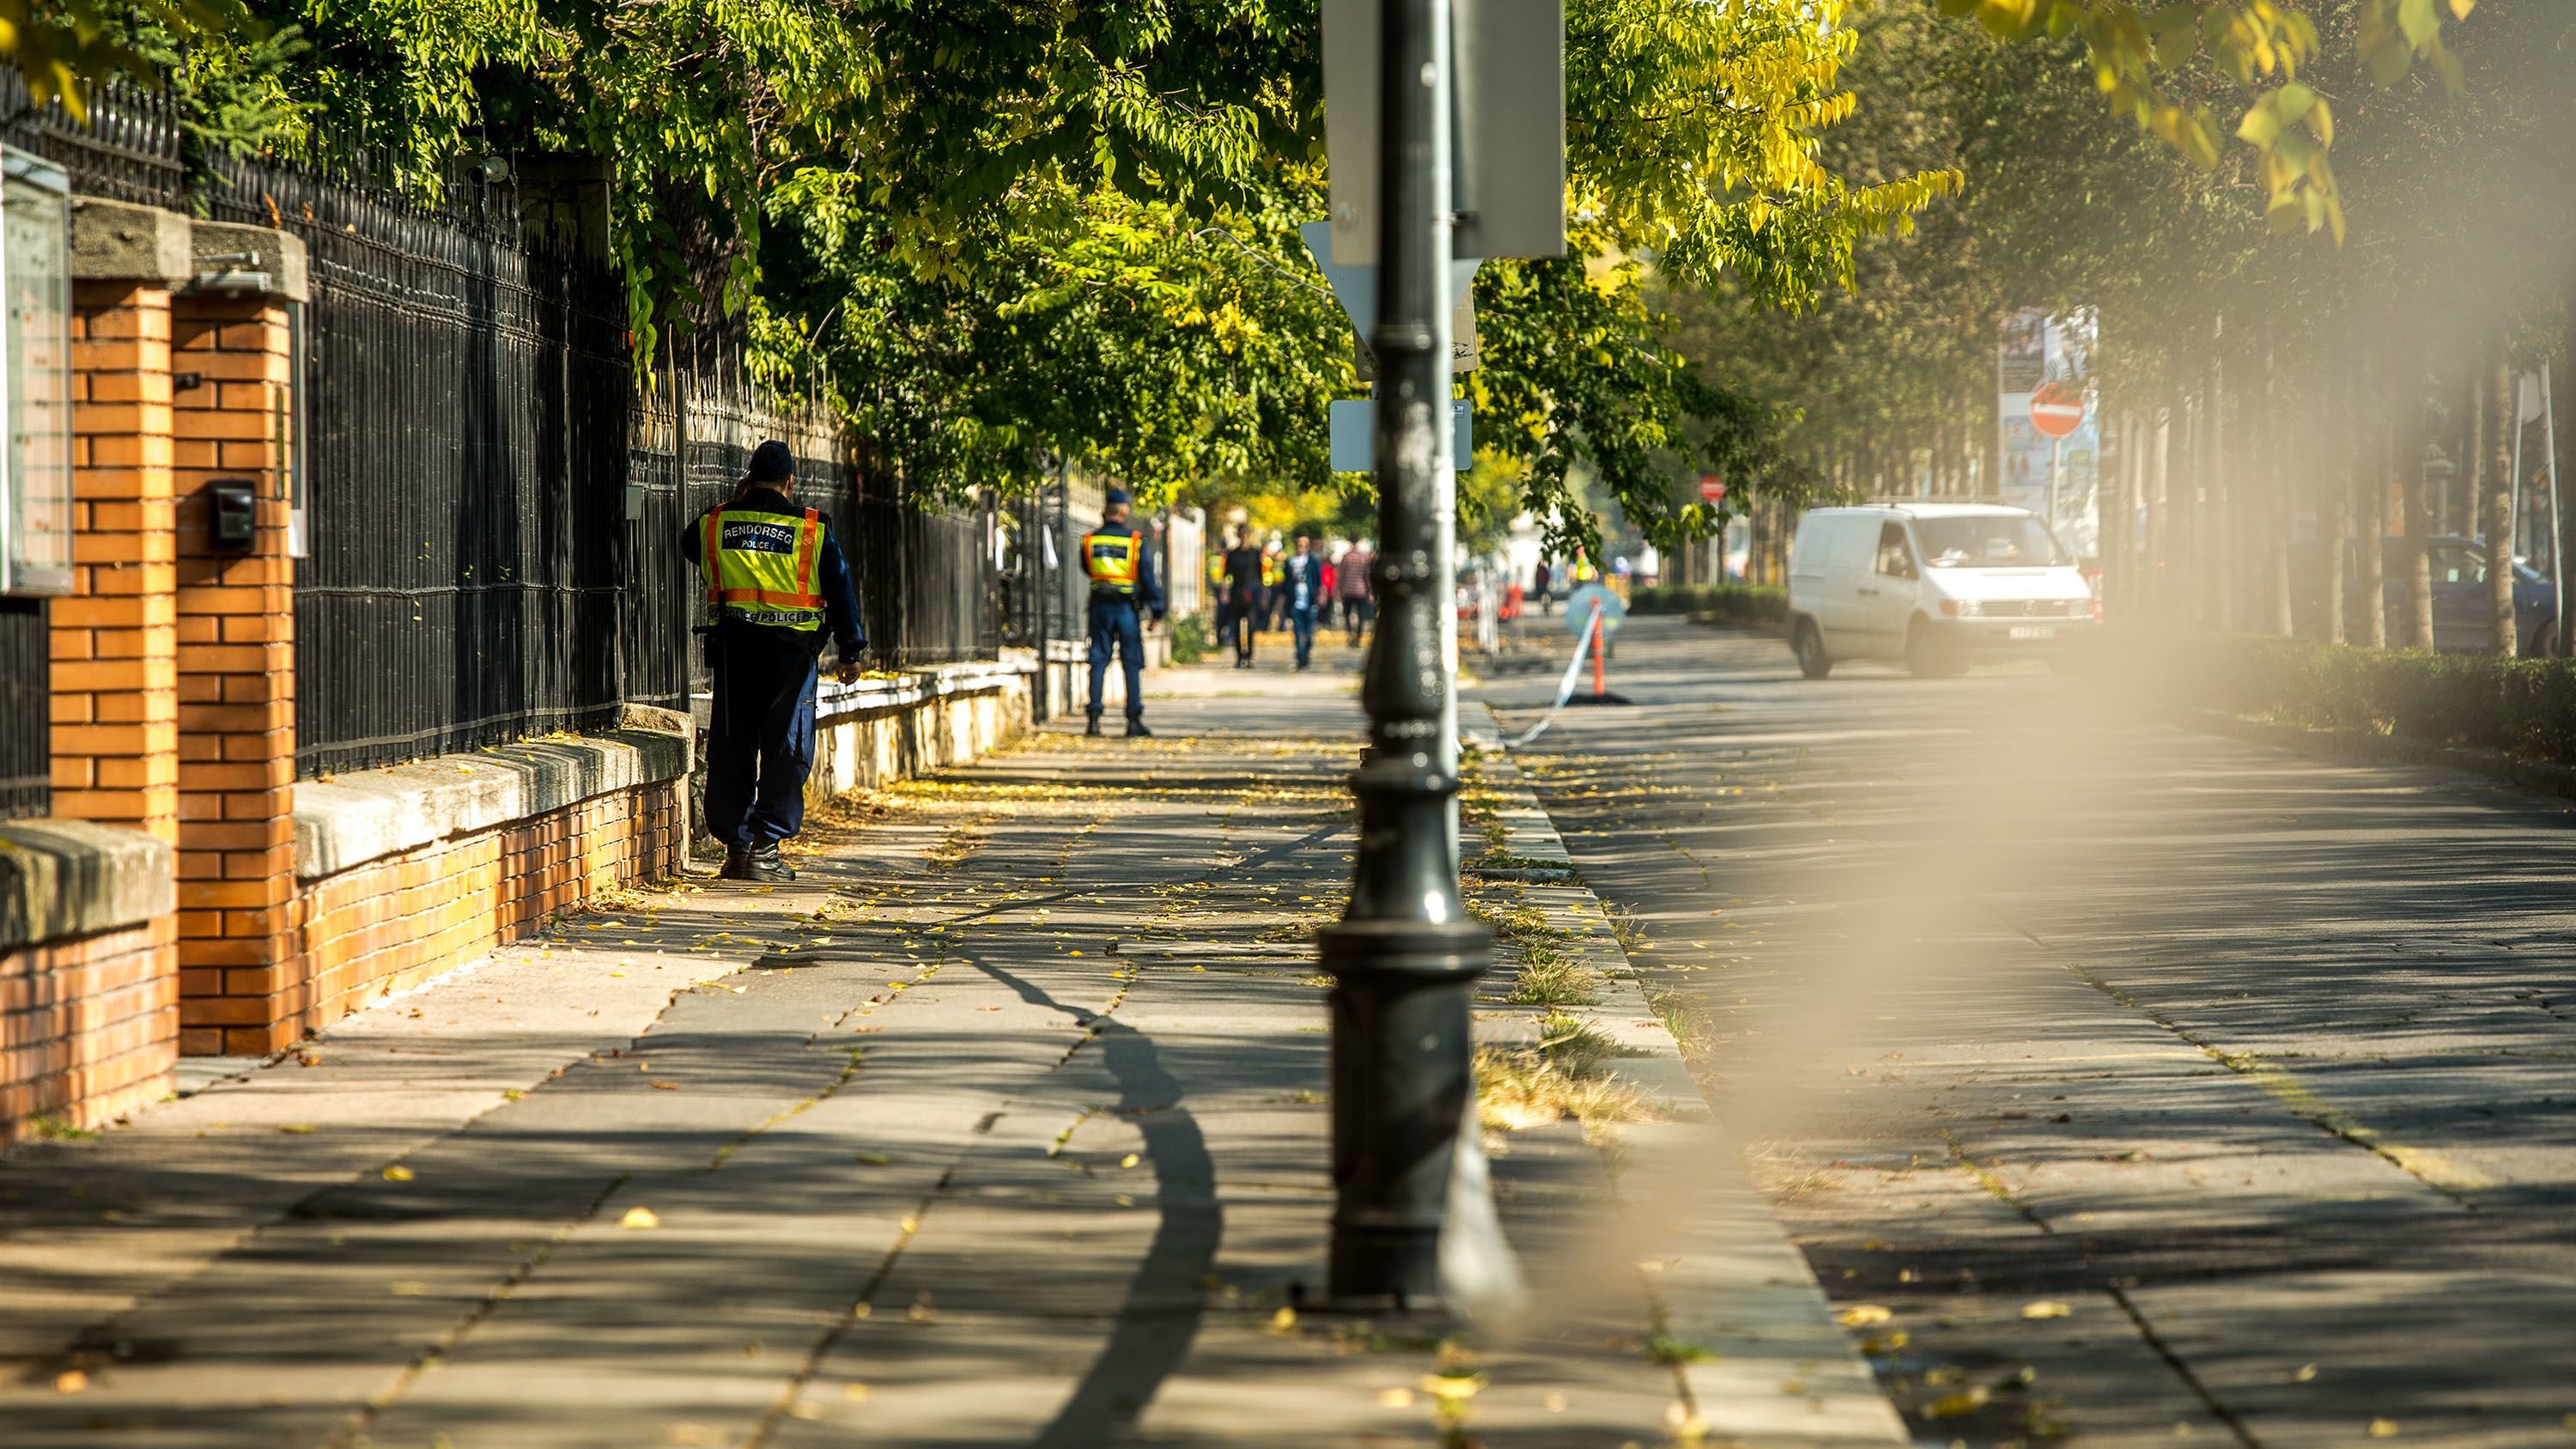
point(1508, 107)
point(1355, 287)
point(1351, 429)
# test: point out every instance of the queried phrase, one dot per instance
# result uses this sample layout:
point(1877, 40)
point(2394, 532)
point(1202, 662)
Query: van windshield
point(1988, 541)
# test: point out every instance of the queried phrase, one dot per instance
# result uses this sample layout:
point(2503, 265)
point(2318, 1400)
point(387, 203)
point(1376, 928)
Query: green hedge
point(2522, 706)
point(1727, 603)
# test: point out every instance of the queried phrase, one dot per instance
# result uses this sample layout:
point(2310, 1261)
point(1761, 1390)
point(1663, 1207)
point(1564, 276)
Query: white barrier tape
point(1565, 686)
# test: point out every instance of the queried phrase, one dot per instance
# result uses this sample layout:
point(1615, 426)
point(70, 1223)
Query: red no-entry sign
point(2056, 410)
point(1712, 489)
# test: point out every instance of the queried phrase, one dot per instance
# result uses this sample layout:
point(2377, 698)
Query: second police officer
point(1122, 585)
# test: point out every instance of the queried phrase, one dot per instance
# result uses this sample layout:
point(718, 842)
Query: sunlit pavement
point(2123, 1084)
point(1005, 1125)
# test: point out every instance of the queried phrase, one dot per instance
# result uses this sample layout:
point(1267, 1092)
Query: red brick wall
point(114, 641)
point(241, 988)
point(393, 923)
point(91, 1027)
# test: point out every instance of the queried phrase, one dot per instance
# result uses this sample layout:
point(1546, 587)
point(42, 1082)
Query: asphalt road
point(2123, 1084)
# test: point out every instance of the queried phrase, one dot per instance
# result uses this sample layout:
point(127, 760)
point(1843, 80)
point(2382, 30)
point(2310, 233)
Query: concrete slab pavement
point(1003, 1125)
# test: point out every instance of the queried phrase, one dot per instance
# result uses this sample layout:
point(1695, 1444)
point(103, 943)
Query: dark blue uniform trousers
point(761, 746)
point(1114, 622)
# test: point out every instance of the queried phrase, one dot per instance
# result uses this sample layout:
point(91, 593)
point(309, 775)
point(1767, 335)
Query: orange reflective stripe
point(808, 546)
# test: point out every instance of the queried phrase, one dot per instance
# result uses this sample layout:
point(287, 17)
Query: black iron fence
point(492, 494)
point(126, 149)
point(928, 578)
point(25, 743)
point(463, 476)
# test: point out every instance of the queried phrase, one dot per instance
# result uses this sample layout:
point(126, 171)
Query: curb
point(1781, 1370)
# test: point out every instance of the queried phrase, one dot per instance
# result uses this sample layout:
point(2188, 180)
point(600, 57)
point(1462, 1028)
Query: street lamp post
point(1404, 957)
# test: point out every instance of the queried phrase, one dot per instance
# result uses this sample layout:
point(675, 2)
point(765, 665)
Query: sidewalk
point(1004, 1125)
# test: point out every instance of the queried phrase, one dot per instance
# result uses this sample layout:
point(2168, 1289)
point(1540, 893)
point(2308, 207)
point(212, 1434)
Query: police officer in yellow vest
point(776, 584)
point(1122, 583)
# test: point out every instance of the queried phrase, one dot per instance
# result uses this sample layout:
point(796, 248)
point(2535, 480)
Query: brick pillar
point(241, 978)
point(115, 640)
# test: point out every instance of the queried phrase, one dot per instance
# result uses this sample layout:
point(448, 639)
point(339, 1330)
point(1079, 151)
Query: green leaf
point(2261, 125)
point(2418, 21)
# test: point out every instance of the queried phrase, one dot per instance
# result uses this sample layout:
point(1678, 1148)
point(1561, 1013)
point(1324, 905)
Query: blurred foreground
point(2122, 1083)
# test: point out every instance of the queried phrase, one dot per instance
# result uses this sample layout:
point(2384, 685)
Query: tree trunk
point(2415, 621)
point(2217, 532)
point(2283, 512)
point(2502, 636)
point(2562, 403)
point(2338, 419)
point(2151, 571)
point(2368, 429)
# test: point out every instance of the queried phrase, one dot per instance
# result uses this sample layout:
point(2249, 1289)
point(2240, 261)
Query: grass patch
point(1499, 859)
point(1674, 1352)
point(56, 1129)
point(1549, 977)
point(1521, 1087)
point(1785, 1173)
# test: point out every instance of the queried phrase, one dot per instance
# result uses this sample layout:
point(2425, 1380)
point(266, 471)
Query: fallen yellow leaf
point(1395, 1398)
point(1283, 1321)
point(1862, 1315)
point(1127, 1161)
point(70, 1381)
point(2045, 1308)
point(2383, 1429)
point(299, 1128)
point(640, 1218)
point(398, 1174)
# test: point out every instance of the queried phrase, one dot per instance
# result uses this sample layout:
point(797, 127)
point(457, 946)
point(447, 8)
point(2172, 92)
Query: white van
point(1934, 586)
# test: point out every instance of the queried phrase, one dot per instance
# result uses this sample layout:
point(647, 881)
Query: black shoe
point(737, 864)
point(768, 866)
point(1136, 730)
point(1091, 728)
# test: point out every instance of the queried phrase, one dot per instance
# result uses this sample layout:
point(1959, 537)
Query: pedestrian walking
point(1358, 597)
point(1122, 587)
point(1242, 596)
point(1538, 586)
point(1327, 596)
point(1304, 586)
point(1274, 572)
point(776, 586)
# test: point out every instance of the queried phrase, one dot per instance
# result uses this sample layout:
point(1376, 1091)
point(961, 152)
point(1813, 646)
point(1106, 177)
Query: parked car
point(1935, 586)
point(2459, 571)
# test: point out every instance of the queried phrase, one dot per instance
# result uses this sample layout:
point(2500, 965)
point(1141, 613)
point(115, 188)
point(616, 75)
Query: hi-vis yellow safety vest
point(764, 568)
point(1110, 559)
point(1584, 572)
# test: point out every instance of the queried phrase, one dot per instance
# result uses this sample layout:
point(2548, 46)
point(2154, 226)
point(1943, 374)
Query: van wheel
point(1813, 661)
point(1926, 657)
